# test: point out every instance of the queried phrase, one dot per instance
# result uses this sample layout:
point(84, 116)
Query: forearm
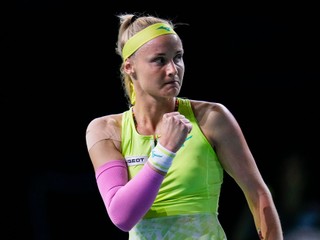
point(128, 201)
point(267, 220)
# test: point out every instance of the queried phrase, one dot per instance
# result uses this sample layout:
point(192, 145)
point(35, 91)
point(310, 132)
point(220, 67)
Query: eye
point(160, 60)
point(178, 58)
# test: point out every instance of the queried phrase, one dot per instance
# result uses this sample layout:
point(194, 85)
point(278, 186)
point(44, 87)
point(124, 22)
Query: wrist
point(161, 158)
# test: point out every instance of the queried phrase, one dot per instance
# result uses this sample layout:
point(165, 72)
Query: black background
point(261, 61)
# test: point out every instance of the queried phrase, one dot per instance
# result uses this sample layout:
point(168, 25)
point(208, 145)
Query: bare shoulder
point(214, 119)
point(104, 128)
point(212, 110)
point(104, 121)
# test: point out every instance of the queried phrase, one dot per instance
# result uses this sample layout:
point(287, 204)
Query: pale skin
point(157, 70)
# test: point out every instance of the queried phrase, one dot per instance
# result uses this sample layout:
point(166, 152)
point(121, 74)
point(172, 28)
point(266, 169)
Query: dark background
point(261, 61)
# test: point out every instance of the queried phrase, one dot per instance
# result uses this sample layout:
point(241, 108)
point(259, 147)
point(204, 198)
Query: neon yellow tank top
point(193, 182)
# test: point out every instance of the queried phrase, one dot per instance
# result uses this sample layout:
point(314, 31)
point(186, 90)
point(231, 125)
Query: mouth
point(174, 82)
point(172, 85)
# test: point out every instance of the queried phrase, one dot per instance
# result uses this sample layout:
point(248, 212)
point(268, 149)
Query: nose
point(171, 68)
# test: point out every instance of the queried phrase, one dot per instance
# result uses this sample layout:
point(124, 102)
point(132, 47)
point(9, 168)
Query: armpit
point(102, 128)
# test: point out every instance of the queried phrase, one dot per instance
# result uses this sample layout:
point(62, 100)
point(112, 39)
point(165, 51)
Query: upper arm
point(103, 139)
point(224, 133)
point(104, 151)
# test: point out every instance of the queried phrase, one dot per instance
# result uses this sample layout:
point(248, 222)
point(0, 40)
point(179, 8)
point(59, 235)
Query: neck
point(147, 119)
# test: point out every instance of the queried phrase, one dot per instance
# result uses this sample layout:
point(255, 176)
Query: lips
point(173, 83)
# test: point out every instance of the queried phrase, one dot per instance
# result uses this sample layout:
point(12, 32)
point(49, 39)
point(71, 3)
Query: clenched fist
point(174, 130)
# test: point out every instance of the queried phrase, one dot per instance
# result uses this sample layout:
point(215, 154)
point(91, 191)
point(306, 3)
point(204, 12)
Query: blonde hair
point(130, 24)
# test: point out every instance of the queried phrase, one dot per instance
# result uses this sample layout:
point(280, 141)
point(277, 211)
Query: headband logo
point(165, 28)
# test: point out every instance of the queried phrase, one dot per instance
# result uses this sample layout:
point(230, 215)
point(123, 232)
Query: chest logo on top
point(136, 160)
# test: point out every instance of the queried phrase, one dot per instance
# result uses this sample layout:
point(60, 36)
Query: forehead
point(163, 43)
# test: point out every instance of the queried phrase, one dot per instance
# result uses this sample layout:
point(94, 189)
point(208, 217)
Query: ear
point(129, 69)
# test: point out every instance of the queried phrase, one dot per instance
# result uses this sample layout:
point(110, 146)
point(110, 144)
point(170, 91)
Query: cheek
point(180, 65)
point(181, 69)
point(150, 73)
point(134, 76)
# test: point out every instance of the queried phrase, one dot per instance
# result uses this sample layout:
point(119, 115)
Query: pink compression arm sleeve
point(127, 202)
